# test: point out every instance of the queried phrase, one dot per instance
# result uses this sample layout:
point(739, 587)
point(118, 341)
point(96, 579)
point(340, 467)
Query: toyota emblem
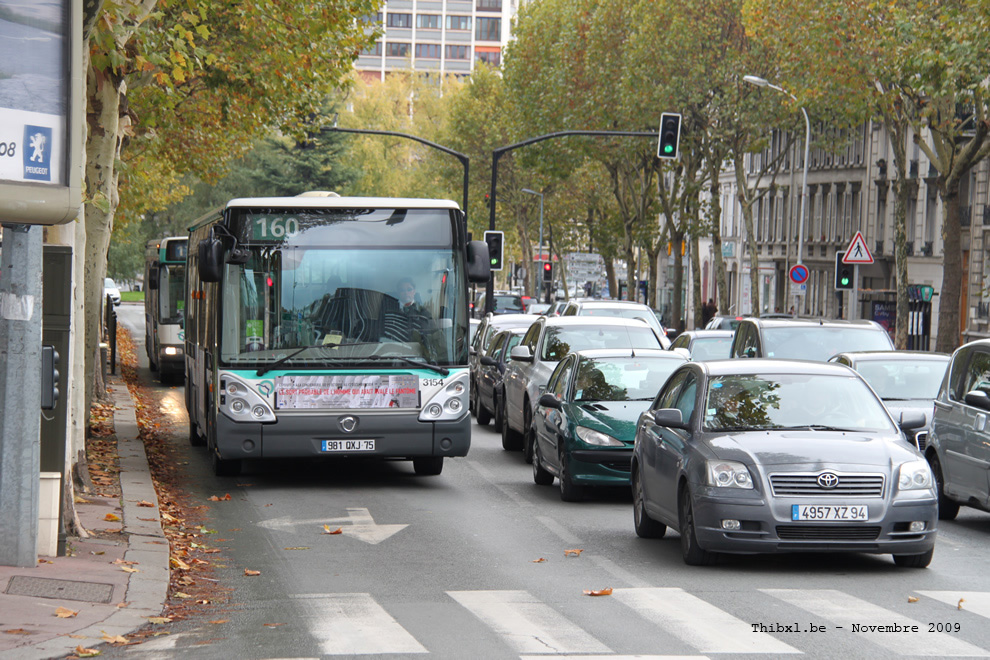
point(828, 480)
point(347, 424)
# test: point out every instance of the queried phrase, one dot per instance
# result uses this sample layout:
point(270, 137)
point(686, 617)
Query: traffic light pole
point(20, 393)
point(497, 153)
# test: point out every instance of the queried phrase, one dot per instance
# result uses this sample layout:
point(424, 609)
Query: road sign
point(799, 273)
point(857, 252)
point(799, 289)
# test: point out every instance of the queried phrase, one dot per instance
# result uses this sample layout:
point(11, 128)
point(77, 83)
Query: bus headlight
point(241, 403)
point(449, 403)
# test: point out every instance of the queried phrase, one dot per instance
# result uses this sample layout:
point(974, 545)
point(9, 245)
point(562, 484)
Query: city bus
point(327, 326)
point(164, 304)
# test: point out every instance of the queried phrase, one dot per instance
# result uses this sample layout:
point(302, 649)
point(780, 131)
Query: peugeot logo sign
point(828, 480)
point(347, 424)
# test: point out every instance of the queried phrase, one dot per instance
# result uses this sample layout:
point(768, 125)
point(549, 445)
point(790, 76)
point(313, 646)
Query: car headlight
point(593, 437)
point(729, 474)
point(915, 475)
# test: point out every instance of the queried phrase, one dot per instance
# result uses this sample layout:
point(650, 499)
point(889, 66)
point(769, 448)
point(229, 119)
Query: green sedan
point(585, 422)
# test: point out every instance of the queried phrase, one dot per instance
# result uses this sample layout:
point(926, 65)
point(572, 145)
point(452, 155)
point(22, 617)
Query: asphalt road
point(448, 566)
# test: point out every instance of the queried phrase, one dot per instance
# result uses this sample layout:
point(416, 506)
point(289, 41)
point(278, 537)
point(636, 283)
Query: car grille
point(618, 466)
point(827, 532)
point(850, 485)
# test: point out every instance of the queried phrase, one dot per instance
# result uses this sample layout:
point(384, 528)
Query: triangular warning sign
point(857, 252)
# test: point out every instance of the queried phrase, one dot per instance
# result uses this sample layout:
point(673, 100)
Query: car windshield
point(711, 348)
point(508, 303)
point(621, 379)
point(624, 312)
point(820, 342)
point(904, 379)
point(109, 284)
point(561, 340)
point(753, 402)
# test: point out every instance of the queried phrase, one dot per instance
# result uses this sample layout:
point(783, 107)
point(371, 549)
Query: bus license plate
point(829, 512)
point(348, 445)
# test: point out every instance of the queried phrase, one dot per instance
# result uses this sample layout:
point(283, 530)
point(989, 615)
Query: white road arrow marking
point(359, 525)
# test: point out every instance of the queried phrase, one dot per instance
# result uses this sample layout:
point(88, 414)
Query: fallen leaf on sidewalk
point(122, 605)
point(114, 639)
point(101, 552)
point(45, 561)
point(273, 625)
point(128, 569)
point(18, 631)
point(145, 503)
point(327, 530)
point(573, 553)
point(86, 653)
point(959, 604)
point(148, 519)
point(125, 562)
point(78, 636)
point(214, 498)
point(540, 560)
point(912, 599)
point(607, 591)
point(112, 517)
point(248, 571)
point(178, 563)
point(169, 518)
point(179, 594)
point(159, 619)
point(219, 621)
point(65, 612)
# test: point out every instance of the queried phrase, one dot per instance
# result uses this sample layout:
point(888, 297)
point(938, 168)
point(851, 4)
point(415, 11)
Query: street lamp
point(539, 280)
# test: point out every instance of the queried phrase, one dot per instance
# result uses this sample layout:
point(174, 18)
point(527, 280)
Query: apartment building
point(443, 36)
point(849, 190)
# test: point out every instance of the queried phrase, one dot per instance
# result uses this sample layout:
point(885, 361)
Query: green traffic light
point(668, 149)
point(494, 261)
point(845, 281)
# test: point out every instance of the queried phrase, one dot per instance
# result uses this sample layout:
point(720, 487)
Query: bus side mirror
point(210, 259)
point(152, 283)
point(479, 265)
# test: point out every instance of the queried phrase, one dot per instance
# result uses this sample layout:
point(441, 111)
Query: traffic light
point(670, 135)
point(548, 271)
point(49, 377)
point(843, 273)
point(494, 240)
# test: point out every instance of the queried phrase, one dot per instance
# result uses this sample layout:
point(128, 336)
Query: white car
point(545, 344)
point(110, 289)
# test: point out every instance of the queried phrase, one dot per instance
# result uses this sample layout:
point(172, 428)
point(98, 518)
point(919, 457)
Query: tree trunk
point(747, 210)
point(653, 257)
point(103, 145)
point(953, 277)
point(718, 263)
point(696, 277)
point(627, 241)
point(677, 300)
point(613, 283)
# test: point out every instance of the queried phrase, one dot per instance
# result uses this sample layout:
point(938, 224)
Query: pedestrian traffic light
point(548, 271)
point(494, 240)
point(49, 377)
point(843, 273)
point(670, 135)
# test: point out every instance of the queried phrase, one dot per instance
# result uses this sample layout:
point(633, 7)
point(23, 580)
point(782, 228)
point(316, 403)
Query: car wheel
point(646, 527)
point(540, 476)
point(511, 441)
point(529, 436)
point(481, 413)
point(428, 466)
point(693, 554)
point(569, 491)
point(947, 509)
point(914, 561)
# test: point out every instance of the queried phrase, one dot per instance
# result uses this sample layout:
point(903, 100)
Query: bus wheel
point(428, 466)
point(195, 439)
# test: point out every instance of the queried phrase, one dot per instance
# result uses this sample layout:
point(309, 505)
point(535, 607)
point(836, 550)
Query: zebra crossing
point(357, 624)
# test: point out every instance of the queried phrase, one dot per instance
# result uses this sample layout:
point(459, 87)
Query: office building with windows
point(442, 36)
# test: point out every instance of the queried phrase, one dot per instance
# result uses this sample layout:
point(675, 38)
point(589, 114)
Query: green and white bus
point(303, 339)
point(164, 304)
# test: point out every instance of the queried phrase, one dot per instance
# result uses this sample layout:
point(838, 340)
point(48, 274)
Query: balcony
point(928, 248)
point(909, 246)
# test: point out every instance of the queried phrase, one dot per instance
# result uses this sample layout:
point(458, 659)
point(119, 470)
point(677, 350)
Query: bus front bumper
point(299, 436)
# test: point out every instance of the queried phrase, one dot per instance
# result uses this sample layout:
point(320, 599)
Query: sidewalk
point(109, 600)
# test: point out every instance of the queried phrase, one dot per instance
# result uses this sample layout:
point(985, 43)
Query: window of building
point(373, 49)
point(489, 29)
point(400, 20)
point(458, 22)
point(428, 21)
point(431, 51)
point(457, 52)
point(489, 5)
point(396, 49)
point(492, 57)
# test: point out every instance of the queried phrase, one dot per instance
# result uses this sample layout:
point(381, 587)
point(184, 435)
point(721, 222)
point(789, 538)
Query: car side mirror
point(210, 259)
point(683, 352)
point(472, 350)
point(911, 420)
point(153, 272)
point(488, 361)
point(669, 417)
point(549, 401)
point(521, 353)
point(977, 399)
point(479, 266)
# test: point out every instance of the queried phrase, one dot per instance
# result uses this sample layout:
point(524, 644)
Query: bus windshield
point(345, 304)
point(171, 285)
